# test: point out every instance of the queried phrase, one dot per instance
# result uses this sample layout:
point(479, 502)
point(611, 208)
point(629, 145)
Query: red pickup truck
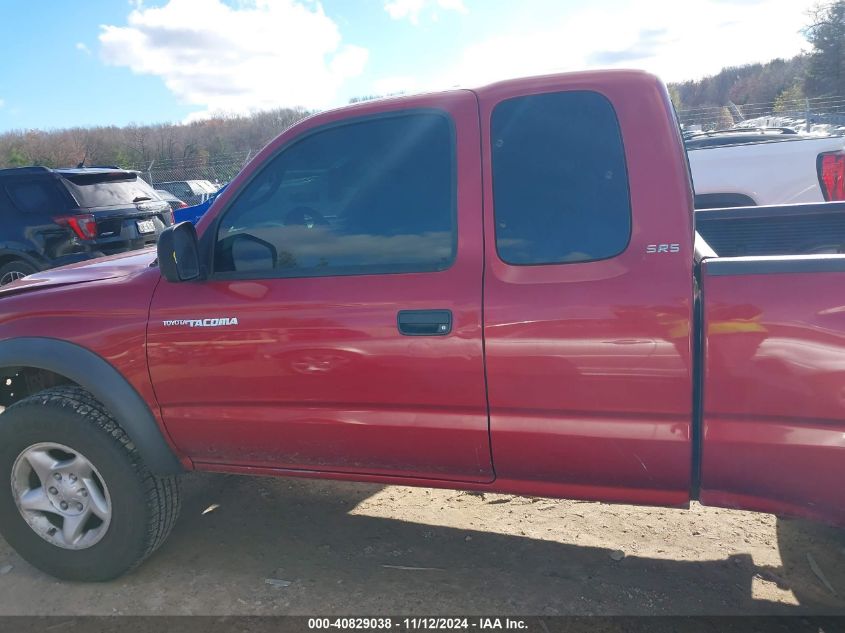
point(496, 289)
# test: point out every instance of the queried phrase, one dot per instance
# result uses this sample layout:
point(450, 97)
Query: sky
point(119, 62)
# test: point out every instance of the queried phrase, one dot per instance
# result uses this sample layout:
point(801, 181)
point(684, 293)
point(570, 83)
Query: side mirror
point(178, 253)
point(253, 255)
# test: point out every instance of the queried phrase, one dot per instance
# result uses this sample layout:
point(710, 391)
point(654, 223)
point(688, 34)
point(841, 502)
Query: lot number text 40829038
point(421, 623)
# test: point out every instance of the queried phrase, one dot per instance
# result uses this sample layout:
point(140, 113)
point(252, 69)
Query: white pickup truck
point(766, 166)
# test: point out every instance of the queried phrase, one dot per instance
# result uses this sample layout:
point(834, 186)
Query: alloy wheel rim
point(12, 275)
point(61, 495)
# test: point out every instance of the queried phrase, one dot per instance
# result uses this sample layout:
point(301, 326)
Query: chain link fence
point(820, 115)
point(218, 170)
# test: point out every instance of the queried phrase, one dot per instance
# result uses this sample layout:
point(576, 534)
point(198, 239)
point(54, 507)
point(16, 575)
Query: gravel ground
point(258, 546)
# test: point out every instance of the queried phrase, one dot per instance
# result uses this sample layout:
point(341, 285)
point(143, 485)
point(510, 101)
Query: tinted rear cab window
point(560, 184)
point(108, 189)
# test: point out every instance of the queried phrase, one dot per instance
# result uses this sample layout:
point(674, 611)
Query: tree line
point(781, 82)
point(193, 144)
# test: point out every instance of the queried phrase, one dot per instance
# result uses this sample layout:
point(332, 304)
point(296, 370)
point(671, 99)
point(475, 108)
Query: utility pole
point(736, 109)
point(807, 125)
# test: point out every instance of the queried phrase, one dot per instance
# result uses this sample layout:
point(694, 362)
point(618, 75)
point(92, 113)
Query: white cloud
point(257, 55)
point(412, 9)
point(401, 9)
point(700, 39)
point(453, 5)
point(81, 46)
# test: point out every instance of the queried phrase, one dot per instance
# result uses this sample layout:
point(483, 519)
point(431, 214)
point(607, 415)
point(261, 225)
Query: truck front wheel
point(77, 501)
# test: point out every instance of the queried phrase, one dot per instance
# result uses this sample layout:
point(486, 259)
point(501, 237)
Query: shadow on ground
point(301, 532)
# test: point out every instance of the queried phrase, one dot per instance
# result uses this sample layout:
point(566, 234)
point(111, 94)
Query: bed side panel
point(774, 386)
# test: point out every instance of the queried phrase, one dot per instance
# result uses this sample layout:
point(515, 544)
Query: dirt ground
point(282, 546)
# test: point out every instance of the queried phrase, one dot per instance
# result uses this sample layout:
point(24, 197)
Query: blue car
point(194, 213)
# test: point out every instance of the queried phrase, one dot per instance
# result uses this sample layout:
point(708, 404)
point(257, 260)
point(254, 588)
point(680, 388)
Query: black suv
point(53, 217)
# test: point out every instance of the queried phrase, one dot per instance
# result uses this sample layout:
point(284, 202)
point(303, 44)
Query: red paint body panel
point(317, 375)
point(102, 306)
point(573, 380)
point(112, 267)
point(774, 408)
point(505, 486)
point(589, 365)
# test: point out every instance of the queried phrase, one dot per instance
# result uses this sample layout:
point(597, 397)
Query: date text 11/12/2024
point(418, 623)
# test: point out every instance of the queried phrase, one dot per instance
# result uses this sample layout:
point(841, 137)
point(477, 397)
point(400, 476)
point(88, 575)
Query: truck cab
point(502, 315)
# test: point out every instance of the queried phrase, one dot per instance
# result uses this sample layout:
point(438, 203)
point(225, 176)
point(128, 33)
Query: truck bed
point(772, 416)
point(796, 229)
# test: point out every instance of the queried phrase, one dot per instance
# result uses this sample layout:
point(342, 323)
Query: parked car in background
point(173, 201)
point(765, 166)
point(190, 191)
point(194, 213)
point(52, 217)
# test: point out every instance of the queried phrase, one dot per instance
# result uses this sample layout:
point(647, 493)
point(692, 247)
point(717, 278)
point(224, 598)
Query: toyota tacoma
point(496, 290)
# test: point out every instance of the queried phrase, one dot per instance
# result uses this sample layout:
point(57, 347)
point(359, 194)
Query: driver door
point(340, 327)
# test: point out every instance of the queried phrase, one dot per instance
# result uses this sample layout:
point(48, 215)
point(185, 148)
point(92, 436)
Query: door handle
point(424, 322)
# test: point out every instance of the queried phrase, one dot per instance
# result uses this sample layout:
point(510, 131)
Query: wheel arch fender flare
point(106, 384)
point(27, 257)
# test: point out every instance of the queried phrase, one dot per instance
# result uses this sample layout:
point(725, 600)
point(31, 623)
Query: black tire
point(144, 507)
point(15, 269)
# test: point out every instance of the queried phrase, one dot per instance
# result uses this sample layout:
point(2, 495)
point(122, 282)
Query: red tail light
point(831, 168)
point(169, 217)
point(84, 225)
point(182, 205)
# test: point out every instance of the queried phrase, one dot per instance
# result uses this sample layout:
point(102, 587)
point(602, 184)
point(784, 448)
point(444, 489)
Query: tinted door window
point(375, 196)
point(559, 180)
point(37, 196)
